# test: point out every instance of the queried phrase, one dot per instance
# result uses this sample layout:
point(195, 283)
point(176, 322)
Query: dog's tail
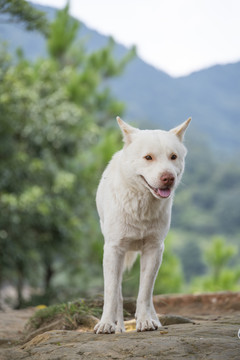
point(129, 260)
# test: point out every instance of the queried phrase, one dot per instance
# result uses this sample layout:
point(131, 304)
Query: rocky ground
point(194, 327)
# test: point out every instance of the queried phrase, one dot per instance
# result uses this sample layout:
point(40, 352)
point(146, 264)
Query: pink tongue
point(164, 192)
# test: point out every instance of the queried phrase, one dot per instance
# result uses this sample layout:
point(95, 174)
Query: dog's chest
point(143, 207)
point(144, 217)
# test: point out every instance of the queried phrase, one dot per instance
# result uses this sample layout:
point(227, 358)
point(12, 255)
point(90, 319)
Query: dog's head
point(154, 158)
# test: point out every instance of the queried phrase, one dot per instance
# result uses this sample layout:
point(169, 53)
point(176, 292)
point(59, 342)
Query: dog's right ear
point(127, 130)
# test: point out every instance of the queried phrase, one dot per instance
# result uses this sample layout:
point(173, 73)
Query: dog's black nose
point(167, 178)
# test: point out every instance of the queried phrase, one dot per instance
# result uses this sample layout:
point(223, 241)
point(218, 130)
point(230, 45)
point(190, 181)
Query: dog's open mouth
point(163, 192)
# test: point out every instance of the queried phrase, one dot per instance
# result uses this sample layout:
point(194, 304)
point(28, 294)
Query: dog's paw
point(120, 328)
point(147, 325)
point(105, 328)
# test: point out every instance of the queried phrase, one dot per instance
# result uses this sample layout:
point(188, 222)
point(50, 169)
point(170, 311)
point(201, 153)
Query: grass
point(67, 311)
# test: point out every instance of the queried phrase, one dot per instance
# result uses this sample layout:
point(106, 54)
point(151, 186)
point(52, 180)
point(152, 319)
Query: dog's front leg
point(145, 313)
point(112, 269)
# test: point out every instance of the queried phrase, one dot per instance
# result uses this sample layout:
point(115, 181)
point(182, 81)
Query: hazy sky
point(176, 36)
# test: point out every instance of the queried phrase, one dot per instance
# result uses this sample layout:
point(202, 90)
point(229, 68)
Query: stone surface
point(213, 336)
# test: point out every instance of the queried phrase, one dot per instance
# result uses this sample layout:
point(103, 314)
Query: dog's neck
point(136, 200)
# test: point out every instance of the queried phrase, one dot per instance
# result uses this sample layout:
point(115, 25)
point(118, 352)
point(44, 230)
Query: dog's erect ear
point(179, 131)
point(127, 130)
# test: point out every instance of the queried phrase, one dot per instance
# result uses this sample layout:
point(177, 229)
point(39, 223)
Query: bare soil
point(203, 326)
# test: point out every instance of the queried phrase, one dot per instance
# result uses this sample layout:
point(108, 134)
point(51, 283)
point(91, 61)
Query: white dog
point(134, 201)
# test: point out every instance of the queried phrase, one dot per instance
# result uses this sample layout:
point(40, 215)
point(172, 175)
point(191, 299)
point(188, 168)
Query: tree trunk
point(49, 272)
point(20, 281)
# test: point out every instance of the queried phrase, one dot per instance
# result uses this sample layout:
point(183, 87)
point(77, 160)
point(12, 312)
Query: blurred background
point(62, 84)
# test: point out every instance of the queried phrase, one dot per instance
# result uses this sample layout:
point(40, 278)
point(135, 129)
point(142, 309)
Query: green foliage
point(20, 11)
point(40, 132)
point(190, 256)
point(220, 275)
point(68, 311)
point(49, 133)
point(218, 255)
point(170, 277)
point(207, 200)
point(62, 34)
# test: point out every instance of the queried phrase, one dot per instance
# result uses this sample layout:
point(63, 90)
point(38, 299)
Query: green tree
point(220, 275)
point(20, 11)
point(191, 259)
point(209, 191)
point(170, 277)
point(62, 35)
point(52, 113)
point(40, 129)
point(88, 84)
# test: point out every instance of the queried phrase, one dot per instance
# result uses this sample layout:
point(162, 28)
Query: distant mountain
point(211, 97)
point(154, 99)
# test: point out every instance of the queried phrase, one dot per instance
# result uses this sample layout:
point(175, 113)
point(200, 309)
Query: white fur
point(135, 218)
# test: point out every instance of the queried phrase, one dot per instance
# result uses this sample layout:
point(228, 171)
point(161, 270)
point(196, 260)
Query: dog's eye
point(173, 157)
point(148, 157)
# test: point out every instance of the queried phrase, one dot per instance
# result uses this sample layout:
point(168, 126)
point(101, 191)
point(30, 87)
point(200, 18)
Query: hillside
point(154, 99)
point(211, 97)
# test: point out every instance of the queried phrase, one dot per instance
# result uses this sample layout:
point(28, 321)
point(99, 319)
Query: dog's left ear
point(127, 130)
point(179, 131)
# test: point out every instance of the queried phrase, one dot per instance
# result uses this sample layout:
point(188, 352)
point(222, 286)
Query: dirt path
point(213, 336)
point(12, 323)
